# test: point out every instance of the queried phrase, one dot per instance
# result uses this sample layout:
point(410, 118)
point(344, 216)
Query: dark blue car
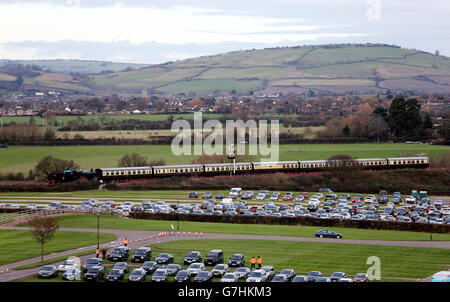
point(328, 234)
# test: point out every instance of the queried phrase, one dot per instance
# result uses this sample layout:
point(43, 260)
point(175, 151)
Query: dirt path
point(139, 238)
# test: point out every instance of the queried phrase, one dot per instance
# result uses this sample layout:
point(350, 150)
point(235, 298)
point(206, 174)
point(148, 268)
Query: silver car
point(195, 268)
point(230, 277)
point(258, 275)
point(72, 274)
point(220, 269)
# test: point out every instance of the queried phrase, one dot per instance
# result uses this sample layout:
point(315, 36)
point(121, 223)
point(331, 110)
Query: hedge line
point(39, 186)
point(305, 221)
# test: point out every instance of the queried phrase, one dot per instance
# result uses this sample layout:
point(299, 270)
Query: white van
point(235, 192)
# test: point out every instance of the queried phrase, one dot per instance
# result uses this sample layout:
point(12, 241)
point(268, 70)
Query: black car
point(193, 257)
point(120, 253)
point(48, 272)
point(164, 258)
point(220, 196)
point(289, 273)
point(214, 257)
point(193, 195)
point(95, 273)
point(336, 276)
point(160, 275)
point(204, 276)
point(237, 260)
point(149, 267)
point(172, 269)
point(142, 254)
point(91, 262)
point(183, 276)
point(115, 275)
point(207, 195)
point(122, 266)
point(137, 275)
point(328, 234)
point(313, 276)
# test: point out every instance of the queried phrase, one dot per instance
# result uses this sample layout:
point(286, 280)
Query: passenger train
point(201, 170)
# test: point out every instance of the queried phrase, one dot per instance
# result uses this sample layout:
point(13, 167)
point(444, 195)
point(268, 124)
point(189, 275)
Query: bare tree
point(49, 165)
point(377, 127)
point(43, 229)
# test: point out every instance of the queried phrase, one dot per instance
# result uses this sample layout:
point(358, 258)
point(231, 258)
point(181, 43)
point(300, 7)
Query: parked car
point(220, 269)
point(137, 275)
point(95, 273)
point(289, 273)
point(72, 274)
point(48, 272)
point(220, 196)
point(230, 277)
point(327, 234)
point(204, 276)
point(242, 272)
point(258, 275)
point(313, 275)
point(121, 266)
point(149, 267)
point(323, 279)
point(195, 268)
point(192, 257)
point(160, 275)
point(237, 260)
point(115, 275)
point(206, 195)
point(120, 253)
point(300, 278)
point(172, 269)
point(288, 196)
point(336, 276)
point(142, 254)
point(361, 277)
point(214, 257)
point(164, 258)
point(91, 262)
point(193, 195)
point(68, 264)
point(183, 276)
point(280, 278)
point(269, 270)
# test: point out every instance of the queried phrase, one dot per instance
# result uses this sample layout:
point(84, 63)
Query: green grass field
point(23, 158)
point(396, 262)
point(19, 244)
point(112, 222)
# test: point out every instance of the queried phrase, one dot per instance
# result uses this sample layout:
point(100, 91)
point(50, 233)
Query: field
point(303, 257)
point(23, 158)
point(112, 222)
point(19, 245)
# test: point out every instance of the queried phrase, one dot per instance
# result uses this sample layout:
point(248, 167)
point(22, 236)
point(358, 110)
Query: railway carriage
point(179, 170)
point(272, 167)
point(124, 173)
point(372, 163)
point(226, 169)
point(313, 165)
point(408, 162)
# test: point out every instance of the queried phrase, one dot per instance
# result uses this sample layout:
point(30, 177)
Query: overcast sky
point(156, 31)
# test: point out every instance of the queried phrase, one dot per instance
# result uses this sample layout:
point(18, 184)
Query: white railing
point(28, 214)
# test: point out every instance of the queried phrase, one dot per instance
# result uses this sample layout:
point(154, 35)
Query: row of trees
point(402, 120)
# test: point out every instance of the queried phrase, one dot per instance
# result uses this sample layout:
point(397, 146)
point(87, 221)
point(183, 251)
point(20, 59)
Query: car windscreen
point(192, 255)
point(47, 268)
point(202, 274)
point(92, 261)
point(140, 252)
point(136, 273)
point(93, 270)
point(114, 272)
point(255, 274)
point(159, 273)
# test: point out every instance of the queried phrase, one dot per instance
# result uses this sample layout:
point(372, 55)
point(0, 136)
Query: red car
point(253, 209)
point(305, 194)
point(355, 199)
point(361, 277)
point(288, 197)
point(110, 203)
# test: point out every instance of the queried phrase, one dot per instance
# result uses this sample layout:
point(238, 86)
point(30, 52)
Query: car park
point(164, 258)
point(214, 257)
point(95, 273)
point(160, 275)
point(204, 276)
point(72, 274)
point(142, 254)
point(195, 268)
point(137, 275)
point(91, 262)
point(220, 269)
point(230, 277)
point(183, 276)
point(48, 272)
point(115, 275)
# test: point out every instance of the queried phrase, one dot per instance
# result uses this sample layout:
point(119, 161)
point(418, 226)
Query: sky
point(157, 31)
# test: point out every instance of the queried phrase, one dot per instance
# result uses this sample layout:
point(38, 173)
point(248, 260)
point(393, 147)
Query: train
point(106, 175)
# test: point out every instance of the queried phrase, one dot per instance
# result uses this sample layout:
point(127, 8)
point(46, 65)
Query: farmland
point(23, 158)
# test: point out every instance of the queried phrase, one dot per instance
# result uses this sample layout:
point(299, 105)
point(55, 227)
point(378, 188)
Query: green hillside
point(362, 68)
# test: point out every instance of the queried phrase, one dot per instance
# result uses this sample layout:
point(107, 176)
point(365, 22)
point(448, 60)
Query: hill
point(304, 70)
point(339, 68)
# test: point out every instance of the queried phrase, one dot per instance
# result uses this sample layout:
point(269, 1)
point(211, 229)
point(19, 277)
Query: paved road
point(139, 238)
